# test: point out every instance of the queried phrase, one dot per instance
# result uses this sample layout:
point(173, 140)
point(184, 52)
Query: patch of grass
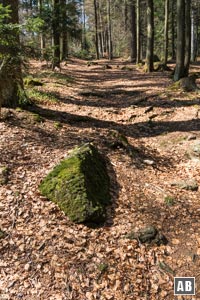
point(19, 109)
point(103, 267)
point(178, 139)
point(30, 81)
point(164, 143)
point(175, 86)
point(41, 96)
point(59, 76)
point(169, 200)
point(57, 125)
point(37, 118)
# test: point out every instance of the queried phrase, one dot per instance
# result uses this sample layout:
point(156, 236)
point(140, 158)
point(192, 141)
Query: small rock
point(27, 267)
point(175, 241)
point(149, 234)
point(148, 162)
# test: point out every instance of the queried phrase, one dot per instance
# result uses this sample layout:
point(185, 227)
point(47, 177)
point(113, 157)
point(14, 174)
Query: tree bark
point(56, 34)
point(110, 54)
point(187, 36)
point(11, 83)
point(96, 29)
point(166, 31)
point(172, 30)
point(180, 51)
point(150, 35)
point(133, 32)
point(42, 36)
point(138, 43)
point(125, 15)
point(192, 36)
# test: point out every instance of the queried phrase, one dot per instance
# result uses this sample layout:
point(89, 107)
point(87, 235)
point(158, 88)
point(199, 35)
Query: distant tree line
point(54, 29)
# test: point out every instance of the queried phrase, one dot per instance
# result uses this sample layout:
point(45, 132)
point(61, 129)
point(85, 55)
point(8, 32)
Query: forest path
point(44, 255)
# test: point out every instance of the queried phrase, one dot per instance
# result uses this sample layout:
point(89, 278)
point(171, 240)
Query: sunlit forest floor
point(45, 256)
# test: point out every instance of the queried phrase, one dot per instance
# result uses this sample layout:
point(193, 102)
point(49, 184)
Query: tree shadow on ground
point(121, 98)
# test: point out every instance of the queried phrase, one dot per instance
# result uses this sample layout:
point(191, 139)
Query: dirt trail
point(44, 256)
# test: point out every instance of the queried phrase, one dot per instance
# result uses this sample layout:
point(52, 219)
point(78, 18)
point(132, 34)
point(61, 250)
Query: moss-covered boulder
point(79, 185)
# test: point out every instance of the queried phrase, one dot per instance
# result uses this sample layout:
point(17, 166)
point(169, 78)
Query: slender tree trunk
point(187, 36)
point(42, 36)
point(133, 32)
point(125, 15)
point(56, 34)
point(138, 43)
point(96, 29)
point(100, 44)
point(180, 51)
point(172, 30)
point(150, 35)
point(110, 55)
point(83, 26)
point(63, 31)
point(192, 36)
point(101, 33)
point(166, 31)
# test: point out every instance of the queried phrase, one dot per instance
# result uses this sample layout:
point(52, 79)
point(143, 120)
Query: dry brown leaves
point(43, 255)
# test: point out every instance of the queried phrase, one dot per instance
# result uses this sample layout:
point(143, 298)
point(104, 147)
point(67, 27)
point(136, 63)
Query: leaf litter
point(45, 256)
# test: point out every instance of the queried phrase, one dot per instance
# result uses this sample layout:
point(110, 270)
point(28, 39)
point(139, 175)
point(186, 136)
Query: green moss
point(37, 118)
point(169, 200)
point(30, 81)
point(41, 96)
point(79, 185)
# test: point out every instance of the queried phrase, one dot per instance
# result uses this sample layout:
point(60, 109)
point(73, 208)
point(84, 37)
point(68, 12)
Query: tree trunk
point(138, 43)
point(96, 29)
point(125, 15)
point(42, 36)
point(187, 36)
point(101, 33)
point(180, 51)
point(83, 26)
point(166, 31)
point(192, 36)
point(56, 34)
point(172, 29)
point(11, 83)
point(63, 33)
point(150, 35)
point(133, 32)
point(110, 55)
